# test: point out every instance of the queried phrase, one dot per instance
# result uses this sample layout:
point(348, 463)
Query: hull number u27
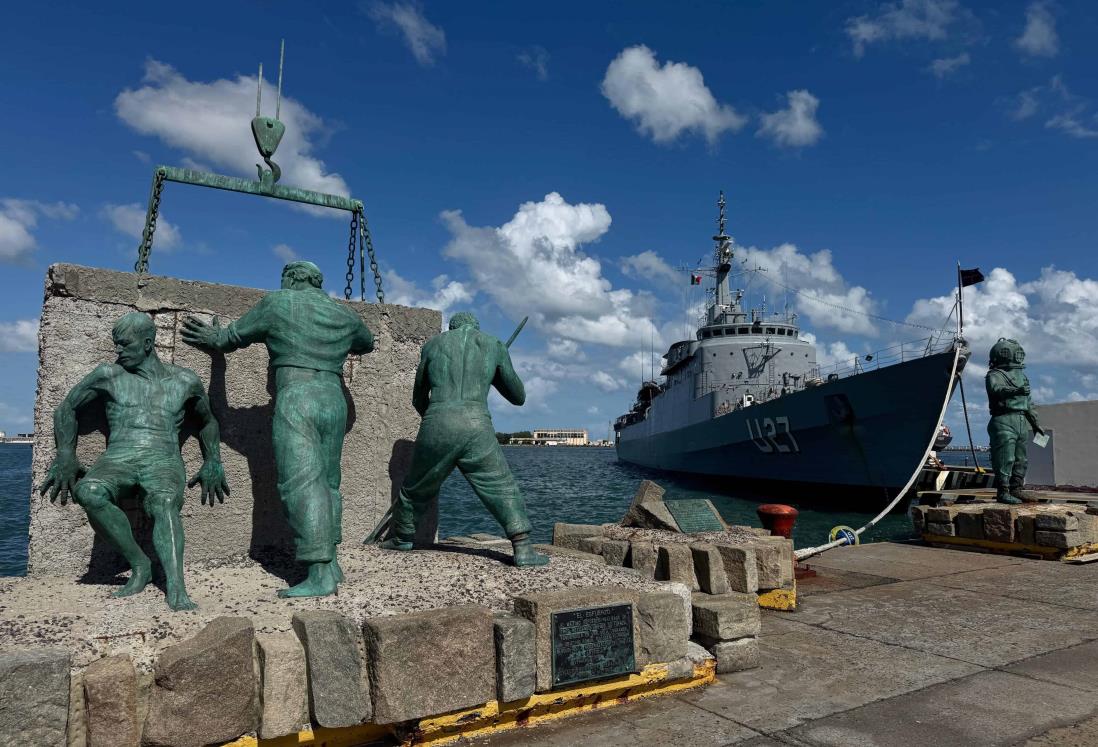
point(772, 435)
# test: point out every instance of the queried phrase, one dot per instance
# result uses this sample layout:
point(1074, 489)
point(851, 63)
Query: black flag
point(971, 277)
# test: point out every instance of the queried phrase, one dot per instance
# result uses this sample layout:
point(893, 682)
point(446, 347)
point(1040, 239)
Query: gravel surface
point(732, 535)
point(83, 617)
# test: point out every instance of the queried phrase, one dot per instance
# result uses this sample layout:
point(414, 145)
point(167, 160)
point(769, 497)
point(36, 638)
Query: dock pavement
point(892, 644)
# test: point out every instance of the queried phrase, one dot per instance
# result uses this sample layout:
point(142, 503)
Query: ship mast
point(724, 303)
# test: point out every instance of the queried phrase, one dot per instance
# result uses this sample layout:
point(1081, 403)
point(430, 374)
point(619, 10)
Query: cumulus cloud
point(20, 336)
point(19, 218)
point(665, 101)
point(285, 252)
point(1039, 39)
point(1068, 112)
point(605, 382)
point(651, 267)
point(129, 220)
point(641, 365)
point(564, 350)
point(943, 67)
point(445, 294)
point(533, 264)
point(209, 122)
point(1054, 317)
point(928, 20)
point(796, 125)
point(537, 59)
point(424, 39)
point(825, 297)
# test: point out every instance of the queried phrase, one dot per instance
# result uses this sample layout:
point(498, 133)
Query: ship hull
point(854, 441)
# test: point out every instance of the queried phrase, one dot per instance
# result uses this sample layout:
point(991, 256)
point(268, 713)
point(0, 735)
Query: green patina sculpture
point(1012, 417)
point(308, 337)
point(145, 401)
point(456, 370)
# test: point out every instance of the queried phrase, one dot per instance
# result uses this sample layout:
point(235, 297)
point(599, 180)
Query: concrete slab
point(907, 562)
point(1075, 667)
point(659, 721)
point(1083, 734)
point(989, 708)
point(1034, 580)
point(978, 628)
point(811, 673)
point(831, 579)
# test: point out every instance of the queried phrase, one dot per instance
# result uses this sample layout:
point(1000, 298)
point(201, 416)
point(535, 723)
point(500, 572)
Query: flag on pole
point(971, 277)
point(697, 279)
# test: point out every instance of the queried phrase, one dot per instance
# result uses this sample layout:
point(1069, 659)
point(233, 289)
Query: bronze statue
point(146, 400)
point(456, 370)
point(308, 337)
point(1012, 417)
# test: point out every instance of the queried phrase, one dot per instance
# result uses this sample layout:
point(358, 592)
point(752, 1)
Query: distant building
point(555, 437)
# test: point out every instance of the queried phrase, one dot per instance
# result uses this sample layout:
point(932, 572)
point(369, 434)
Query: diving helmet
point(1007, 354)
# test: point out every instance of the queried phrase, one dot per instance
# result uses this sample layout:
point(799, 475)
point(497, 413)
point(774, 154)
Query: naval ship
point(746, 404)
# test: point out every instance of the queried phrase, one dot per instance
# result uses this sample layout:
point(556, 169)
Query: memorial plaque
point(592, 644)
point(695, 515)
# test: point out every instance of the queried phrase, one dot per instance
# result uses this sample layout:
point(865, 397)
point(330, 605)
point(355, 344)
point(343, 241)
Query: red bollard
point(777, 518)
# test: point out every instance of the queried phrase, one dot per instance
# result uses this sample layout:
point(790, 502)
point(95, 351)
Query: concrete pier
point(892, 644)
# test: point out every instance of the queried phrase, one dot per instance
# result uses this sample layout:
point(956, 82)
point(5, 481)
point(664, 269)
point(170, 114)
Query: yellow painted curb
point(783, 600)
point(495, 716)
point(1051, 553)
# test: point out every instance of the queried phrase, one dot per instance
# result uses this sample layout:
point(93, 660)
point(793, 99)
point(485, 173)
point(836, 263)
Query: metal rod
point(968, 427)
point(259, 90)
point(236, 184)
point(281, 56)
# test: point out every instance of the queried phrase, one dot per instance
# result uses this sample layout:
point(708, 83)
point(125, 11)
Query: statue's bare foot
point(526, 556)
point(179, 601)
point(139, 579)
point(319, 583)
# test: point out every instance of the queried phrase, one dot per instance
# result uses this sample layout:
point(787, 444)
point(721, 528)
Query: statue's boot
point(1025, 496)
point(525, 555)
point(320, 582)
point(1004, 496)
point(397, 542)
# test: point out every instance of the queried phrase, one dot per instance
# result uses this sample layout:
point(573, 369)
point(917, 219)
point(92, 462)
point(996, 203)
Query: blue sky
point(560, 160)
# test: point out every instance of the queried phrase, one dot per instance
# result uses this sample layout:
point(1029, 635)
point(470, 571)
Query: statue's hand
point(62, 477)
point(212, 477)
point(199, 334)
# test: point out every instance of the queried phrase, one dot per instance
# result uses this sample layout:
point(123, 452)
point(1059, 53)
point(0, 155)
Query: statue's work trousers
point(310, 419)
point(459, 435)
point(1009, 433)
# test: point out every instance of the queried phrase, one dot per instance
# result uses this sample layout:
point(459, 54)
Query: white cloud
point(533, 265)
point(564, 350)
point(19, 218)
point(444, 295)
point(796, 125)
point(825, 298)
point(285, 252)
point(909, 19)
point(20, 336)
point(537, 59)
point(1054, 317)
point(425, 40)
point(651, 267)
point(1075, 123)
point(130, 220)
point(606, 382)
point(1039, 39)
point(141, 156)
point(665, 101)
point(209, 121)
point(943, 67)
point(1025, 104)
point(641, 365)
point(593, 410)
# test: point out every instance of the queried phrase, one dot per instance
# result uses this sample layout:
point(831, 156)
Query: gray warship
point(745, 404)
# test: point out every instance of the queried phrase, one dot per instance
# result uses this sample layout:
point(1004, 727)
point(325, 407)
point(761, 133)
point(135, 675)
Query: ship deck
point(892, 644)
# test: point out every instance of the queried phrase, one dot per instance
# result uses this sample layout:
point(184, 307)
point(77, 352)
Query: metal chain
point(145, 247)
point(361, 261)
point(351, 255)
point(369, 242)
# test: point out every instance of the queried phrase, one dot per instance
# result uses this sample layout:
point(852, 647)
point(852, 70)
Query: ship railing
point(905, 351)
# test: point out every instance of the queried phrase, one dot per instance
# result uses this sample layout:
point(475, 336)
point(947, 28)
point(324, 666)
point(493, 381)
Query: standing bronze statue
point(308, 337)
point(145, 401)
point(456, 370)
point(1013, 420)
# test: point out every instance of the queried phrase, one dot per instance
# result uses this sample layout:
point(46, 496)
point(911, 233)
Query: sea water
point(573, 484)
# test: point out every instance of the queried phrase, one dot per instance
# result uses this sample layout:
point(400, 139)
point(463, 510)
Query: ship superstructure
point(746, 399)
